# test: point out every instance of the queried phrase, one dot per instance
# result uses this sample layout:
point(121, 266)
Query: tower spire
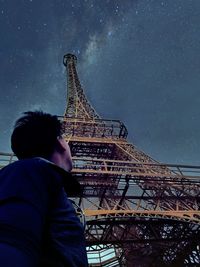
point(77, 103)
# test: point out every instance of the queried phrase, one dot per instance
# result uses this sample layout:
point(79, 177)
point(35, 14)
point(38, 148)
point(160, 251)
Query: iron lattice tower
point(139, 211)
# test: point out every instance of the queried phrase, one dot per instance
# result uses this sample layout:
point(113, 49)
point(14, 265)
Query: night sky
point(138, 61)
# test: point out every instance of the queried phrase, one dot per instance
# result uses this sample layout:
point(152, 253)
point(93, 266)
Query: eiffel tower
point(138, 212)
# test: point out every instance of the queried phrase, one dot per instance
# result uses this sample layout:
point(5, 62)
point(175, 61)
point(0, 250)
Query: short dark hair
point(35, 135)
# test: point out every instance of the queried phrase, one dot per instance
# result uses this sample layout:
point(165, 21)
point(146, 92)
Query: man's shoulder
point(27, 178)
point(37, 170)
point(24, 163)
point(31, 166)
point(39, 166)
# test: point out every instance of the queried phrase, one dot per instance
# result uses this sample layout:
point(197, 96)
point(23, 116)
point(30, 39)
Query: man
point(38, 224)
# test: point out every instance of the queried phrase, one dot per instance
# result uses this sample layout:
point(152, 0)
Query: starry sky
point(138, 61)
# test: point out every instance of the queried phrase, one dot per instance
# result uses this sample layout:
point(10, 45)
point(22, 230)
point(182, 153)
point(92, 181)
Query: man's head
point(39, 134)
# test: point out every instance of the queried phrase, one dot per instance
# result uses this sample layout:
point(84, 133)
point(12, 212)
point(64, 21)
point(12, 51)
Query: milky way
point(138, 61)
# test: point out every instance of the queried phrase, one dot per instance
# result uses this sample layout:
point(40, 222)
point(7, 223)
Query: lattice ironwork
point(146, 210)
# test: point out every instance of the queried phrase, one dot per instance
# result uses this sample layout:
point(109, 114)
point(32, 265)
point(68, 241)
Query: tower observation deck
point(138, 212)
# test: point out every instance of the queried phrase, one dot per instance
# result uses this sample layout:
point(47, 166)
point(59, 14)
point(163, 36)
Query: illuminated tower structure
point(138, 212)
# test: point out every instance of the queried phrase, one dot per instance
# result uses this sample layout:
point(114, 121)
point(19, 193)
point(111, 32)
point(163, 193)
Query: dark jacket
point(36, 216)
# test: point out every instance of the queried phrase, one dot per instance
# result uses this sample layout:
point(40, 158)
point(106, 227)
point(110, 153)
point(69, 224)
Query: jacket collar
point(70, 183)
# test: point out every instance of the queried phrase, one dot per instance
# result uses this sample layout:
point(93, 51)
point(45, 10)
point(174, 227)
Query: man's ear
point(60, 146)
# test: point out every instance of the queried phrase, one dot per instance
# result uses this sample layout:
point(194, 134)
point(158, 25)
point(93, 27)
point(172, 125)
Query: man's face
point(67, 158)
